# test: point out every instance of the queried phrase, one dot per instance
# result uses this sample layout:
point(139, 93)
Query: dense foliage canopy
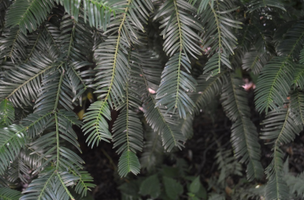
point(156, 62)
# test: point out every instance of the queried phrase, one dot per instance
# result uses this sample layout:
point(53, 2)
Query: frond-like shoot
point(181, 41)
point(218, 39)
point(281, 128)
point(244, 135)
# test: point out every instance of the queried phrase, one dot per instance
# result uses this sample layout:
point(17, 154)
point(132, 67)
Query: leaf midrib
point(29, 80)
point(157, 107)
point(180, 53)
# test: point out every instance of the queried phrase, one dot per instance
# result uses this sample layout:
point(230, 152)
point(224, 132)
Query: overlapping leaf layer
point(158, 64)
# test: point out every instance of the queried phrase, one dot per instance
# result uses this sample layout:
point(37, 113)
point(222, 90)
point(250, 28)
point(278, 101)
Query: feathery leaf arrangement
point(159, 118)
point(28, 15)
point(46, 80)
point(181, 40)
point(112, 67)
point(281, 128)
point(218, 39)
point(128, 130)
point(96, 13)
point(158, 64)
point(244, 136)
point(279, 94)
point(9, 193)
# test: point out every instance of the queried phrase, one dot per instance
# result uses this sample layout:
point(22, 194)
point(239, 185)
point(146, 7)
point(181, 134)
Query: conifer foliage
point(52, 52)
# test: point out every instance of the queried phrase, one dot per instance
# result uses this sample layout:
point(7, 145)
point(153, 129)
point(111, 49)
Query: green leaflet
point(95, 13)
point(281, 128)
point(50, 184)
point(277, 76)
point(174, 85)
point(202, 5)
point(53, 51)
point(128, 162)
point(28, 15)
point(207, 89)
point(213, 66)
point(7, 193)
point(96, 124)
point(162, 121)
point(159, 120)
point(75, 38)
point(248, 150)
point(235, 104)
point(292, 43)
point(297, 106)
point(299, 72)
point(12, 139)
point(112, 59)
point(274, 84)
point(12, 44)
point(84, 183)
point(219, 41)
point(276, 187)
point(179, 43)
point(254, 61)
point(128, 130)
